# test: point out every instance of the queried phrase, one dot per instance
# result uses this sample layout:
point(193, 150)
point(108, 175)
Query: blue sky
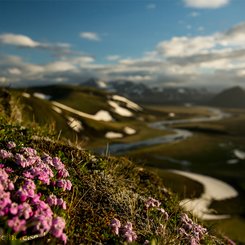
point(167, 42)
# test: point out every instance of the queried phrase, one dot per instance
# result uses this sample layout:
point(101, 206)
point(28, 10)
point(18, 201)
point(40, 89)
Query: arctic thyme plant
point(30, 190)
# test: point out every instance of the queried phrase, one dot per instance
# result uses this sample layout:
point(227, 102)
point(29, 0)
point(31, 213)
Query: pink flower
point(63, 238)
point(63, 173)
point(64, 184)
point(25, 210)
point(190, 230)
point(61, 203)
point(151, 202)
point(115, 224)
point(13, 208)
point(43, 208)
point(17, 224)
point(52, 200)
point(128, 226)
point(9, 170)
point(5, 154)
point(43, 224)
point(128, 232)
point(1, 187)
point(3, 175)
point(47, 160)
point(4, 199)
point(28, 151)
point(165, 214)
point(11, 145)
point(130, 236)
point(58, 164)
point(36, 198)
point(58, 226)
point(22, 194)
point(68, 185)
point(194, 241)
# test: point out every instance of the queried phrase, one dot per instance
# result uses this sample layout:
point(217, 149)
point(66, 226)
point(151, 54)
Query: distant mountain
point(142, 93)
point(233, 97)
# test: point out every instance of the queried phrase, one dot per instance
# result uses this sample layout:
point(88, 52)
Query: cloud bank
point(209, 4)
point(90, 36)
point(212, 60)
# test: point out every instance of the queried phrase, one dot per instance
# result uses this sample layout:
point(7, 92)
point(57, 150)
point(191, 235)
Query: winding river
point(177, 134)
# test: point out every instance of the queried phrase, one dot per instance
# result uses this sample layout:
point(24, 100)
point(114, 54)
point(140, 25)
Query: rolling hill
point(233, 98)
point(80, 113)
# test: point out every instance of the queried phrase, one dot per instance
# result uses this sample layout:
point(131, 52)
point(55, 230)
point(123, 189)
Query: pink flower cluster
point(153, 203)
point(125, 231)
point(24, 180)
point(191, 231)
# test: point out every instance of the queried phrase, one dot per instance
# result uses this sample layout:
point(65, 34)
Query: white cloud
point(180, 61)
point(113, 57)
point(212, 4)
point(18, 40)
point(14, 71)
point(59, 66)
point(200, 28)
point(194, 14)
point(217, 64)
point(151, 6)
point(91, 36)
point(81, 60)
point(235, 36)
point(186, 46)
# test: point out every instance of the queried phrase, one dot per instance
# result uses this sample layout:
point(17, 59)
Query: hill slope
point(232, 98)
point(81, 113)
point(73, 197)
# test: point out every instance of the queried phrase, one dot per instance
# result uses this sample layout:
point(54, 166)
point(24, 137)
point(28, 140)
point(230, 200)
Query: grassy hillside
point(57, 193)
point(91, 131)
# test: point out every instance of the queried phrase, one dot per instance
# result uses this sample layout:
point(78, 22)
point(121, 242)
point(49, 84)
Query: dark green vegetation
point(104, 188)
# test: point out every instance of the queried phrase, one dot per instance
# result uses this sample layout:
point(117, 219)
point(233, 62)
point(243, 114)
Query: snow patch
point(232, 161)
point(56, 109)
point(99, 116)
point(130, 104)
point(120, 110)
point(129, 131)
point(75, 124)
point(239, 154)
point(103, 116)
point(171, 114)
point(26, 95)
point(113, 135)
point(214, 189)
point(101, 84)
point(42, 96)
